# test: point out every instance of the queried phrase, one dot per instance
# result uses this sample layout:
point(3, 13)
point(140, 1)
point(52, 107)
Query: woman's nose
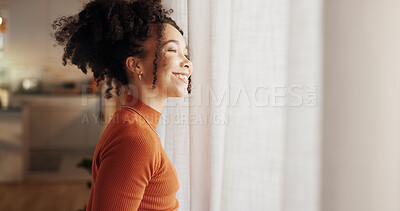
point(187, 63)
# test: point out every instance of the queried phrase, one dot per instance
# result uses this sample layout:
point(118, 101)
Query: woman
point(139, 48)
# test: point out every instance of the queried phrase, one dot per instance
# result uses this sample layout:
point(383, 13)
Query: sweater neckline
point(151, 115)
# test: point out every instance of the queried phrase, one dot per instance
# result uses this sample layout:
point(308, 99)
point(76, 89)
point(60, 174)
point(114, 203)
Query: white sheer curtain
point(247, 138)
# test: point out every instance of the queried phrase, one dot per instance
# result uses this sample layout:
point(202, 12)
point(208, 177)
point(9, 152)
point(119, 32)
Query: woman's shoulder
point(128, 128)
point(125, 141)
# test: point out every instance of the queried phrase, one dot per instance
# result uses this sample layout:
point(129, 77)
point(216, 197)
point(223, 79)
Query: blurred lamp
point(2, 24)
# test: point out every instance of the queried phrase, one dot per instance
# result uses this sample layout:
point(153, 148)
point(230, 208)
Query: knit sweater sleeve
point(127, 165)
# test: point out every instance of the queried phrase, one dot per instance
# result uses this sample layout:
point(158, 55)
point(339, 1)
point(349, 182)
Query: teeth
point(181, 76)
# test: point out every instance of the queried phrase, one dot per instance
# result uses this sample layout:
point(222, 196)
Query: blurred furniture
point(11, 145)
point(59, 131)
point(49, 135)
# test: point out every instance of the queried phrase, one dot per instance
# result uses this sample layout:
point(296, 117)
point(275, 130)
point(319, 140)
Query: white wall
point(28, 41)
point(360, 166)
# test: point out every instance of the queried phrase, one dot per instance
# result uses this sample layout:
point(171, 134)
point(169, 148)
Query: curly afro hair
point(106, 32)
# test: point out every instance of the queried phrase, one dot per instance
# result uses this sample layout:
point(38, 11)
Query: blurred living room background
point(51, 115)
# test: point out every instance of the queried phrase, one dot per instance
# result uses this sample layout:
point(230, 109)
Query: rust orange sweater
point(131, 170)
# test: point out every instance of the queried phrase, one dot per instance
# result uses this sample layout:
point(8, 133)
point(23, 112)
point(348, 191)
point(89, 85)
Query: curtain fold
point(303, 141)
point(248, 57)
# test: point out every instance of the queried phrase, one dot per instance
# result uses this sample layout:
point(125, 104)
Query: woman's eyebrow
point(174, 41)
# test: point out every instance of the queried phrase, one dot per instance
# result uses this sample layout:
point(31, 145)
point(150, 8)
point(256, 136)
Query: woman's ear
point(132, 65)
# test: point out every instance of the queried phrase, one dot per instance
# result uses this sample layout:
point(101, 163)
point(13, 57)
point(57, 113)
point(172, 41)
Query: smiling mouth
point(181, 77)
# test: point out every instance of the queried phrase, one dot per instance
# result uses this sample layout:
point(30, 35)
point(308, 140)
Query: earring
point(140, 77)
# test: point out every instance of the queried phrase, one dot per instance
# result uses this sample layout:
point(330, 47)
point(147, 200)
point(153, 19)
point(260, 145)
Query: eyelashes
point(176, 51)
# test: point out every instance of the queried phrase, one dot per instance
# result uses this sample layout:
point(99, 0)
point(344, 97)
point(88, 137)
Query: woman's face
point(174, 68)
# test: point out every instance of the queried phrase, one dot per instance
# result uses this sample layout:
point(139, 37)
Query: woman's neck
point(153, 99)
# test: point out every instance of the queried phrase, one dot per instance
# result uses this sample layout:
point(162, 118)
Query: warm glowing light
point(29, 83)
point(3, 24)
